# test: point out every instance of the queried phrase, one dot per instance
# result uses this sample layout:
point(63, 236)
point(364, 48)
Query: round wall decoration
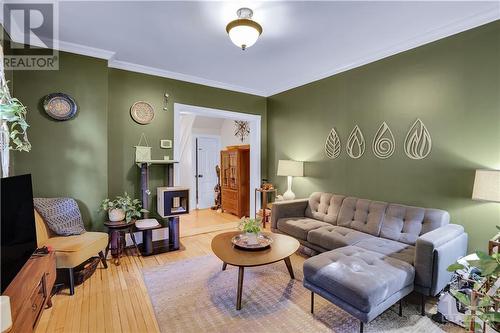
point(60, 106)
point(142, 112)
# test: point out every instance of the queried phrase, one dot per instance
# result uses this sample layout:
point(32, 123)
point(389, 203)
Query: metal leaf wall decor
point(383, 145)
point(418, 142)
point(241, 129)
point(332, 144)
point(355, 143)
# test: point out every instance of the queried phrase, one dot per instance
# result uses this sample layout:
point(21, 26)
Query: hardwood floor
point(115, 299)
point(205, 220)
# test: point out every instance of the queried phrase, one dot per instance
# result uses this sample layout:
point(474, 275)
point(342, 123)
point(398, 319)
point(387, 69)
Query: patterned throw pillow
point(62, 215)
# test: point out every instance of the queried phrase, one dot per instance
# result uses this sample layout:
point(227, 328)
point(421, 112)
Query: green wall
point(125, 88)
point(68, 158)
point(92, 156)
point(453, 85)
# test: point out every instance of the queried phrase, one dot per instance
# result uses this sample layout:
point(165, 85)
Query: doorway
point(184, 118)
point(207, 157)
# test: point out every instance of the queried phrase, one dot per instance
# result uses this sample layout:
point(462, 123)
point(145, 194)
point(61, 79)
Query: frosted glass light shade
point(243, 36)
point(290, 168)
point(487, 185)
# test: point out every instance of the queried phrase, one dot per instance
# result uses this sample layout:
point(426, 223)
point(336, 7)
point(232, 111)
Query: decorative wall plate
point(142, 112)
point(60, 106)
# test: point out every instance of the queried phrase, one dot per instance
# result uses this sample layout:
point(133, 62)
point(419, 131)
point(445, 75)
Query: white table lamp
point(487, 185)
point(290, 169)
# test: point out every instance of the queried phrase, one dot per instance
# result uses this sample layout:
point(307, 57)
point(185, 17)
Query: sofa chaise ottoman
point(372, 253)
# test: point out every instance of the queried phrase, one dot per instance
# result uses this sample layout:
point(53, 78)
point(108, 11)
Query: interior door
point(208, 156)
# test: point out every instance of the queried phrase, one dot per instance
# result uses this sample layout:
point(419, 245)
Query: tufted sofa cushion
point(334, 237)
point(299, 226)
point(324, 206)
point(406, 223)
point(359, 277)
point(390, 248)
point(362, 215)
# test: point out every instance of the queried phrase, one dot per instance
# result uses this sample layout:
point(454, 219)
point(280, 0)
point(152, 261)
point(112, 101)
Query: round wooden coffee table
point(281, 249)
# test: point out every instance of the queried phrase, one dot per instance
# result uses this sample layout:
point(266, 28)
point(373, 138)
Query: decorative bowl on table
point(243, 242)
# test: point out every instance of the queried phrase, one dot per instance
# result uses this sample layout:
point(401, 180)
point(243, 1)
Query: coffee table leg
point(224, 265)
point(289, 267)
point(241, 271)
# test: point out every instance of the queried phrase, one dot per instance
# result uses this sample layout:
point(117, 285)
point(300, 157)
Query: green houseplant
point(13, 126)
point(485, 296)
point(123, 208)
point(251, 228)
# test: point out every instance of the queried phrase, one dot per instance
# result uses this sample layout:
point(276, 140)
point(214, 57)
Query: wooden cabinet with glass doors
point(235, 180)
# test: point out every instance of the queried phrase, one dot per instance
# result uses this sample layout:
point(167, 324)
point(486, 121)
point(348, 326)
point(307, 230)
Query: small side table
point(116, 232)
point(265, 216)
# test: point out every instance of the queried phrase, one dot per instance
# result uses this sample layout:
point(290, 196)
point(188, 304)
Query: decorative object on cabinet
point(418, 141)
point(290, 169)
point(165, 144)
point(241, 129)
point(217, 190)
point(355, 143)
point(235, 180)
point(30, 291)
point(332, 144)
point(142, 153)
point(60, 106)
point(165, 107)
point(383, 145)
point(142, 112)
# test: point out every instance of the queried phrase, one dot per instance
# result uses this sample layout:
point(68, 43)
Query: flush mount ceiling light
point(244, 31)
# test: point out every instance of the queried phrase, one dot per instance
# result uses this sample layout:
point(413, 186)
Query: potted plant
point(123, 208)
point(484, 298)
point(251, 228)
point(13, 126)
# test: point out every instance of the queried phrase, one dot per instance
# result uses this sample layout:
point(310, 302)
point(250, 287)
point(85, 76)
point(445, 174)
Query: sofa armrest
point(434, 252)
point(290, 208)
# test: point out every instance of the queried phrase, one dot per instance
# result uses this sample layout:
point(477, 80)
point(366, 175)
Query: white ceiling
point(301, 41)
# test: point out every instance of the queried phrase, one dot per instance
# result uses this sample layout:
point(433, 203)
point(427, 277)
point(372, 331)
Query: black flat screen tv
point(17, 226)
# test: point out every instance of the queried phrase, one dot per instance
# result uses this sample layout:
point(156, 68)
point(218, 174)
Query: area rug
point(195, 295)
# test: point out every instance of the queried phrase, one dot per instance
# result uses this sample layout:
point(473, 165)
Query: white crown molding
point(128, 66)
point(456, 27)
point(86, 50)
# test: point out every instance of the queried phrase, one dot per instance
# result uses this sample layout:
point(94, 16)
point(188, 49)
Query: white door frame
point(255, 141)
point(195, 136)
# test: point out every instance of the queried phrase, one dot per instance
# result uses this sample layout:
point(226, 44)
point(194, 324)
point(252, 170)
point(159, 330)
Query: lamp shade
point(487, 185)
point(290, 168)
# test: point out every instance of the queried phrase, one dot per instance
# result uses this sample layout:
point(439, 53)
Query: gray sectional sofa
point(372, 253)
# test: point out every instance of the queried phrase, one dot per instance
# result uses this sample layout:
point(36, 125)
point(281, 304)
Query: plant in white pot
point(251, 228)
point(13, 126)
point(123, 208)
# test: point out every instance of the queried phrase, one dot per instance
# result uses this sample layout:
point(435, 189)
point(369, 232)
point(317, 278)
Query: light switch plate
point(166, 143)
